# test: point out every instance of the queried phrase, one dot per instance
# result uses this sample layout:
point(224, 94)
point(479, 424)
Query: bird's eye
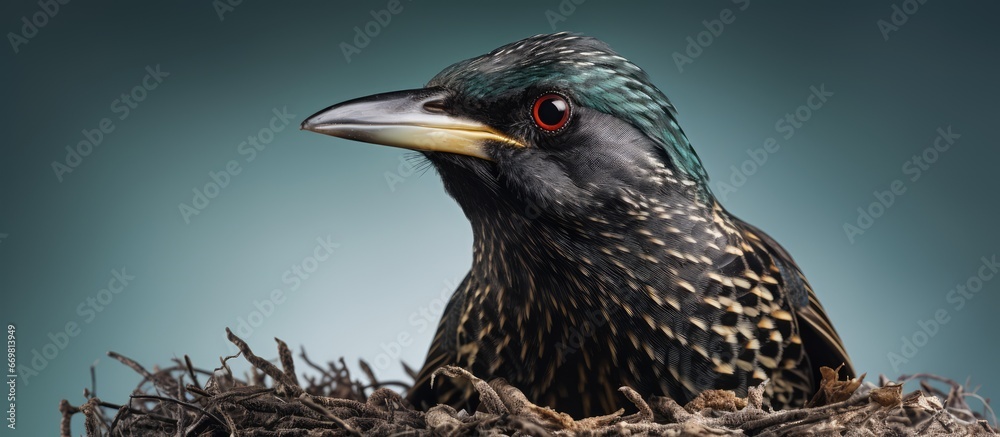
point(551, 112)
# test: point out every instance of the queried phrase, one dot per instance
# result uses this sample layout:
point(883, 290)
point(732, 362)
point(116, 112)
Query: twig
point(183, 404)
point(326, 413)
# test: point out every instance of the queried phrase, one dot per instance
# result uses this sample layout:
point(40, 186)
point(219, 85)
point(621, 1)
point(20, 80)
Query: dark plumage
point(601, 258)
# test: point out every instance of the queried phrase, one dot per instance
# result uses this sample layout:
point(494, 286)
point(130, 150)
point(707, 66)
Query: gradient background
point(402, 246)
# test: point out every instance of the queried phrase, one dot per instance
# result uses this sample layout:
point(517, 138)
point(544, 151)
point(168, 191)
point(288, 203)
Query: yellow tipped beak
point(412, 119)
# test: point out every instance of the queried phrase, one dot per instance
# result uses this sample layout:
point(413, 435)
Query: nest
point(272, 401)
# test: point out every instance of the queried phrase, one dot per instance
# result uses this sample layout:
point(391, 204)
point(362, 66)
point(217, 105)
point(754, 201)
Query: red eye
point(551, 112)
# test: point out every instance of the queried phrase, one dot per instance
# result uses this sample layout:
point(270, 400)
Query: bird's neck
point(617, 245)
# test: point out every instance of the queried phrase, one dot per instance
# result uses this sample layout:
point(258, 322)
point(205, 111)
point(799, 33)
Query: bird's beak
point(413, 119)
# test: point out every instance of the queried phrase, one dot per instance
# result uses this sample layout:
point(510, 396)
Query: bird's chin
point(449, 162)
point(474, 183)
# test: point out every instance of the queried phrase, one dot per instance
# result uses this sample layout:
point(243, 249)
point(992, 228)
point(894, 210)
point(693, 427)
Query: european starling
point(601, 258)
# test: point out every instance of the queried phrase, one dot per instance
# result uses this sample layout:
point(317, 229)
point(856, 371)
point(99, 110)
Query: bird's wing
point(822, 345)
point(781, 329)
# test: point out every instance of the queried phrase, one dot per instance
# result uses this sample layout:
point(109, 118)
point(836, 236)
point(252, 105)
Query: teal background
point(402, 245)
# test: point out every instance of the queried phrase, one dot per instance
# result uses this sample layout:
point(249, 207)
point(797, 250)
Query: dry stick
point(375, 383)
point(355, 407)
point(409, 371)
point(198, 424)
point(190, 369)
point(488, 398)
point(234, 398)
point(257, 377)
point(287, 362)
point(198, 391)
point(243, 390)
point(131, 364)
point(184, 404)
point(339, 377)
point(180, 365)
point(346, 373)
point(91, 416)
point(180, 395)
point(136, 411)
point(986, 404)
point(955, 386)
point(181, 423)
point(527, 427)
point(122, 409)
point(645, 413)
point(305, 357)
point(368, 371)
point(262, 364)
point(380, 384)
point(290, 423)
point(105, 420)
point(93, 381)
point(140, 370)
point(231, 424)
point(950, 399)
point(225, 363)
point(801, 415)
point(818, 415)
point(272, 415)
point(67, 411)
point(121, 412)
point(326, 413)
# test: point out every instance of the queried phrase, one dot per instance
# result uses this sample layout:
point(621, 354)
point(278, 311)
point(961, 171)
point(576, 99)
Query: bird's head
point(552, 124)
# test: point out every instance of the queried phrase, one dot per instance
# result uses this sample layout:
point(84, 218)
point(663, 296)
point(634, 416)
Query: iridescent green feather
point(596, 76)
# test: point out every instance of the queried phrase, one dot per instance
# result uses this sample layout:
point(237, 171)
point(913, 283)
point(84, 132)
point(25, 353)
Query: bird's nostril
point(436, 105)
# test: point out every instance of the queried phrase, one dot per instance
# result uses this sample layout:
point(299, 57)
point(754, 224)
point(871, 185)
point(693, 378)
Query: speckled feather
point(644, 280)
